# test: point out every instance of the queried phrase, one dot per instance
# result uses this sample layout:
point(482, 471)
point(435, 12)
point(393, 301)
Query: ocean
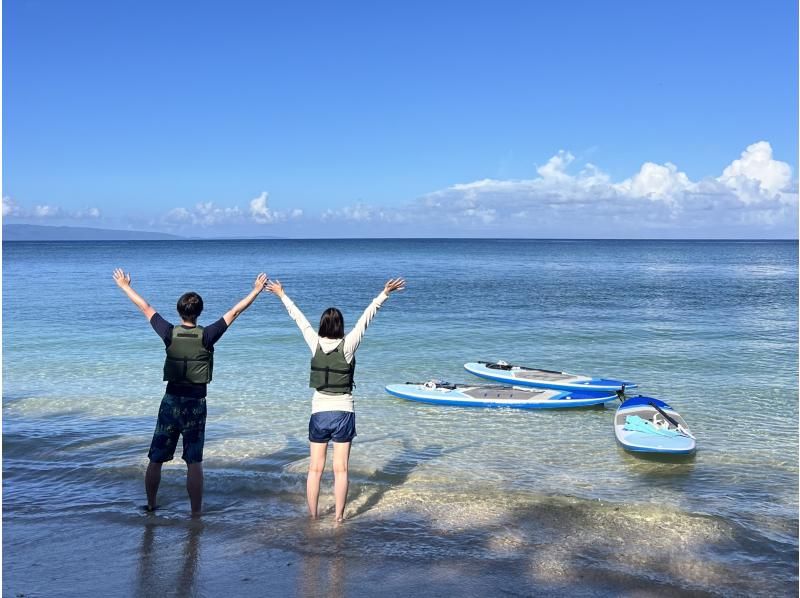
point(531, 498)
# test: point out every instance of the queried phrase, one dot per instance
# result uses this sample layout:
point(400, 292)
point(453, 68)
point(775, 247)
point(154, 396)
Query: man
point(187, 369)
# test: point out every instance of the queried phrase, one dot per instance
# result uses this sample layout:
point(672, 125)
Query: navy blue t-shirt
point(211, 334)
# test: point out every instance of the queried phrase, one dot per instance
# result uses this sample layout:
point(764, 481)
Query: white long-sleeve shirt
point(321, 401)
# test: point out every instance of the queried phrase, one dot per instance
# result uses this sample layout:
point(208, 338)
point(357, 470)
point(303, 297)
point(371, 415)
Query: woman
point(332, 366)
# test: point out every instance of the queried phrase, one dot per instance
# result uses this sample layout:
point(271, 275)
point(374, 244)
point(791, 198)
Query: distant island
point(35, 232)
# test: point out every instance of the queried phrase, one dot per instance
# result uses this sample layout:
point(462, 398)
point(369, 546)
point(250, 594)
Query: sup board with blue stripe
point(489, 395)
point(647, 425)
point(518, 375)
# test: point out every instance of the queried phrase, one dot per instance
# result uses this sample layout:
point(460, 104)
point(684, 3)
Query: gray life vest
point(330, 372)
point(188, 361)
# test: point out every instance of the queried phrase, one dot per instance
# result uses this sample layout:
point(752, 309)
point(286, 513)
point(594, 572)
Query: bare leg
point(341, 461)
point(194, 486)
point(315, 467)
point(152, 478)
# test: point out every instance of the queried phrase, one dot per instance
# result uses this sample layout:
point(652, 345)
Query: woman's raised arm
point(309, 334)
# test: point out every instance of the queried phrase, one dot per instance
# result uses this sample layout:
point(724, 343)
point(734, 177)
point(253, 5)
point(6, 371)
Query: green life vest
point(330, 372)
point(188, 361)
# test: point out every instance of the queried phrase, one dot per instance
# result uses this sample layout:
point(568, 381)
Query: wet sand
point(190, 558)
point(171, 554)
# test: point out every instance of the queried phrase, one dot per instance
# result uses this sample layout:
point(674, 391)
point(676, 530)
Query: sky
point(578, 119)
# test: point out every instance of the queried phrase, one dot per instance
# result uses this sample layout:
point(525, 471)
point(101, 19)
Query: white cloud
point(204, 214)
point(362, 213)
point(178, 216)
point(556, 167)
point(259, 211)
point(755, 190)
point(46, 211)
point(207, 214)
point(90, 213)
point(755, 175)
point(656, 181)
point(10, 207)
point(754, 195)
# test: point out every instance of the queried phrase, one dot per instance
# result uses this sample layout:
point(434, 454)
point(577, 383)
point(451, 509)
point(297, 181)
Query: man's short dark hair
point(190, 305)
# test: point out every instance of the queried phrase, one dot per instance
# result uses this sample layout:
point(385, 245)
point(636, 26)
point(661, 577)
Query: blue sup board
point(518, 375)
point(489, 395)
point(647, 425)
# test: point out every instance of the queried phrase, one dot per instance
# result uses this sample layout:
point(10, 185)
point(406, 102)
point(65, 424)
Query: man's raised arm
point(236, 310)
point(123, 281)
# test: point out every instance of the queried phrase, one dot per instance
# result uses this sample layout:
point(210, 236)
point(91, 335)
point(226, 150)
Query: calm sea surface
point(710, 327)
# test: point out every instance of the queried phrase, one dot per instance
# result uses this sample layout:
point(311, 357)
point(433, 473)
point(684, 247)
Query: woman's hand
point(275, 287)
point(123, 280)
point(394, 284)
point(261, 282)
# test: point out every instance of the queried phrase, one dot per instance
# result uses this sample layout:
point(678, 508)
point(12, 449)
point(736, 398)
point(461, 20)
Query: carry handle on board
point(664, 413)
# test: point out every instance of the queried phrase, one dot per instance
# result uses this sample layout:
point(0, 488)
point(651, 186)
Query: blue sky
point(632, 119)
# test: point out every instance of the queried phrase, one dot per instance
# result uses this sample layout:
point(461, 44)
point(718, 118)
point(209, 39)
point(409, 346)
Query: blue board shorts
point(339, 426)
point(179, 416)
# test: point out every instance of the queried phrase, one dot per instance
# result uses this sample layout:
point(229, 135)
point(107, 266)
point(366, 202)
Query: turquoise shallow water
point(710, 327)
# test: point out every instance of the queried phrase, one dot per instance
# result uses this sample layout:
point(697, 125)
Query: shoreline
point(191, 557)
point(392, 547)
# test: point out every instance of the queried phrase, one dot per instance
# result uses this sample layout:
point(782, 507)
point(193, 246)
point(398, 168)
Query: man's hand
point(275, 287)
point(123, 280)
point(258, 285)
point(394, 284)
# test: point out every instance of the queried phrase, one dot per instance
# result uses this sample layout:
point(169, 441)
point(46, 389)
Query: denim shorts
point(179, 416)
point(339, 426)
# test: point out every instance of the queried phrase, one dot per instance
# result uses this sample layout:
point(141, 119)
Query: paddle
point(507, 366)
point(679, 427)
point(436, 384)
point(664, 413)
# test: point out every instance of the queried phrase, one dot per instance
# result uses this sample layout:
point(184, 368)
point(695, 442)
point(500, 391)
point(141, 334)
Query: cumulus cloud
point(88, 213)
point(363, 213)
point(261, 213)
point(10, 207)
point(754, 190)
point(259, 210)
point(178, 216)
point(656, 181)
point(204, 214)
point(556, 167)
point(207, 214)
point(756, 175)
point(46, 211)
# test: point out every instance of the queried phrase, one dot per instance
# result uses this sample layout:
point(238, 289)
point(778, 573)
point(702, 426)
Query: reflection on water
point(322, 570)
point(168, 565)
